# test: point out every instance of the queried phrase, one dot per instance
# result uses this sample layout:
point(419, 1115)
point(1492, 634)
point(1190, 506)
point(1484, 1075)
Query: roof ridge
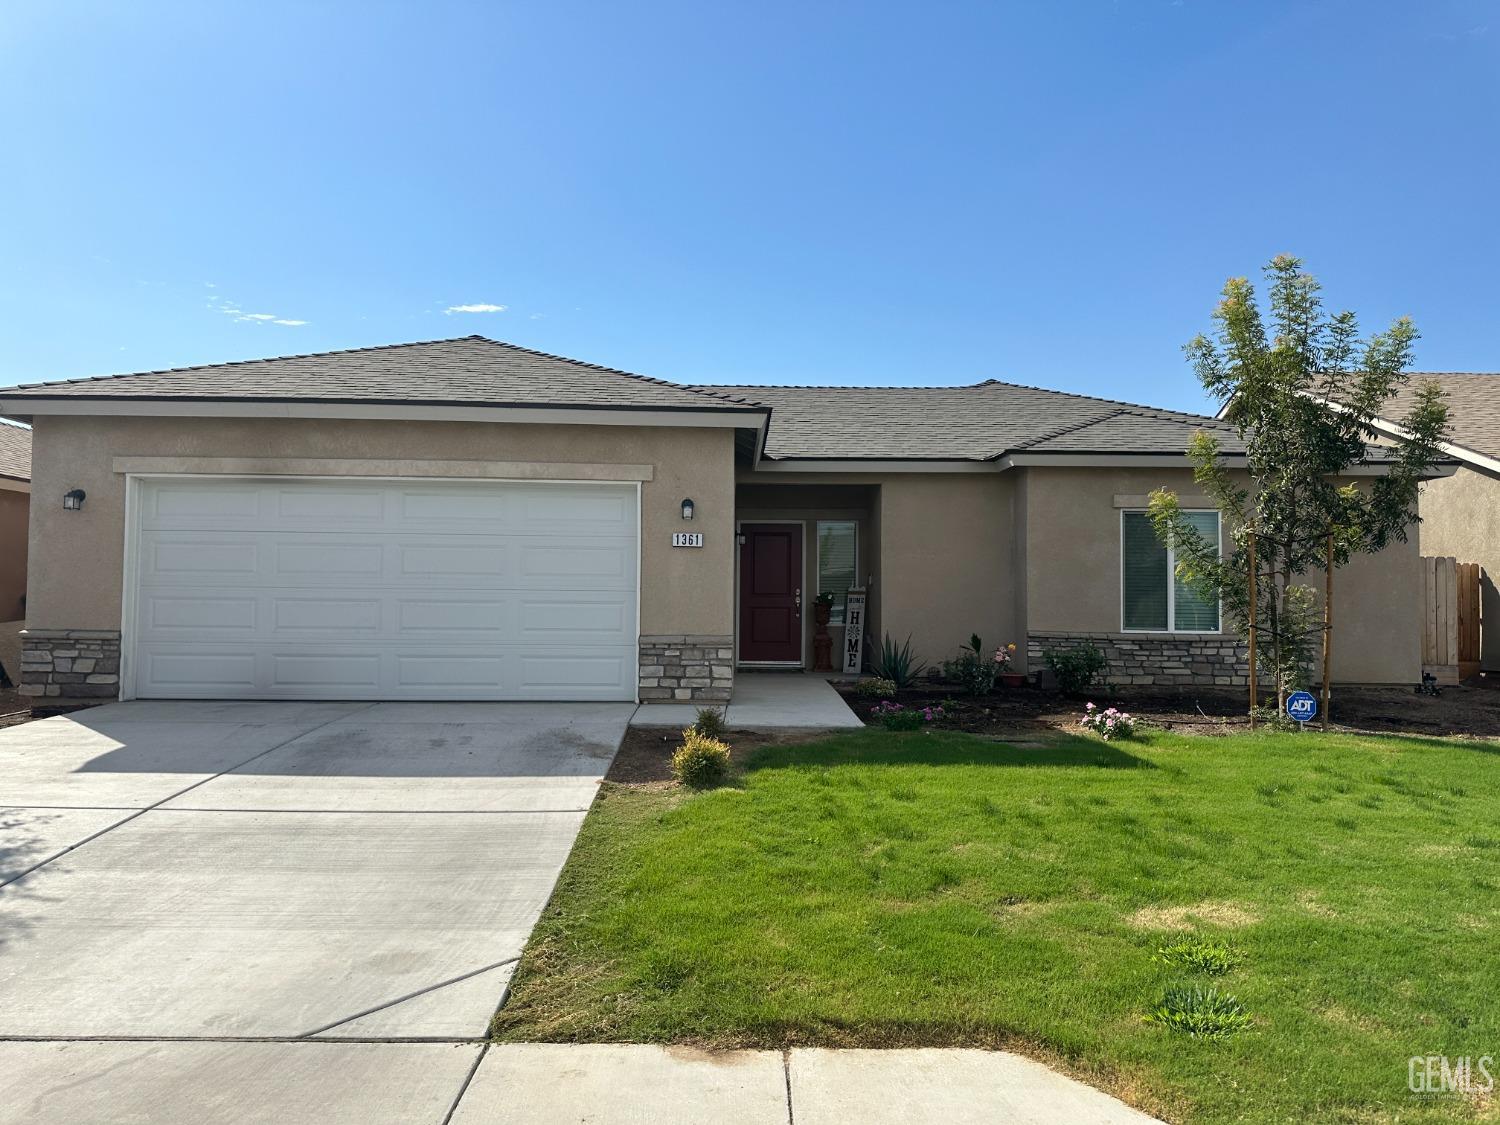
point(1061, 430)
point(1134, 407)
point(242, 362)
point(840, 386)
point(612, 370)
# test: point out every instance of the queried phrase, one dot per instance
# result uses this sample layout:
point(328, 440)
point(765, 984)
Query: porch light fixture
point(687, 509)
point(73, 501)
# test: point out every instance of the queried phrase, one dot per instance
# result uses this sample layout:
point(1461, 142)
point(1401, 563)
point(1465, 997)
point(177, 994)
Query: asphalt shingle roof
point(972, 423)
point(15, 451)
point(975, 423)
point(472, 370)
point(1473, 406)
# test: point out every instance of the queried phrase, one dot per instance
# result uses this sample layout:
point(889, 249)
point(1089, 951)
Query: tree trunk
point(1253, 596)
point(1327, 627)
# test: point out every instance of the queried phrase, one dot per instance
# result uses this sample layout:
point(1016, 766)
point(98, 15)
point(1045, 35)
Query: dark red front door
point(771, 592)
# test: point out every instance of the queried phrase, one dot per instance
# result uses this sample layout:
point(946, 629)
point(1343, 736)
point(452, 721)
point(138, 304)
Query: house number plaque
point(687, 538)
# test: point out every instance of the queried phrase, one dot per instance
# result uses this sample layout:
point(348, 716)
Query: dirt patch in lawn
point(1227, 914)
point(645, 757)
point(1462, 710)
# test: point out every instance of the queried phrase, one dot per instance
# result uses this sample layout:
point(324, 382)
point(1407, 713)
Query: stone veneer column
point(67, 664)
point(685, 667)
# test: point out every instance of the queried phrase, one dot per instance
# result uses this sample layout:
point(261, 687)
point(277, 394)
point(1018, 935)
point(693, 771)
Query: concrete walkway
point(281, 1083)
point(765, 701)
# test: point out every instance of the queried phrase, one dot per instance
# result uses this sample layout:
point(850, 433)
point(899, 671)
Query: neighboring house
point(467, 519)
point(15, 487)
point(1461, 513)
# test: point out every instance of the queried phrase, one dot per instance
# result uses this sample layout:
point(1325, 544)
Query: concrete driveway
point(283, 870)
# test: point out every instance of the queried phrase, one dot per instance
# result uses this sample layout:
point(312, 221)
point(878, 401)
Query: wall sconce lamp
point(73, 501)
point(687, 509)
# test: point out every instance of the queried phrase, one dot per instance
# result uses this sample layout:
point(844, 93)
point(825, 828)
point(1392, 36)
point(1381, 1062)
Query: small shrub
point(700, 761)
point(710, 723)
point(1199, 955)
point(899, 665)
point(1201, 1013)
point(1107, 724)
point(1076, 668)
point(875, 688)
point(893, 716)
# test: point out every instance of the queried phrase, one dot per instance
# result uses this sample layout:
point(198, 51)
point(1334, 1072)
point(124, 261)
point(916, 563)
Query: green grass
point(935, 888)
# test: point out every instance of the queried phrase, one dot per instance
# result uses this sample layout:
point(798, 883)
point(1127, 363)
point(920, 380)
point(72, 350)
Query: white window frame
point(1171, 580)
point(818, 560)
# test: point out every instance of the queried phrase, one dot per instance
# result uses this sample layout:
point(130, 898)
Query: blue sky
point(1049, 193)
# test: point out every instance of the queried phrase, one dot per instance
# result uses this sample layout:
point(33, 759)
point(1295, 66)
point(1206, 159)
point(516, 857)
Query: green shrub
point(1200, 955)
point(710, 723)
point(974, 668)
point(899, 665)
point(700, 761)
point(1076, 668)
point(893, 716)
point(1201, 1013)
point(875, 688)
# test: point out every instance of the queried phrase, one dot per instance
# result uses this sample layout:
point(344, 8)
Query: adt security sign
point(1302, 706)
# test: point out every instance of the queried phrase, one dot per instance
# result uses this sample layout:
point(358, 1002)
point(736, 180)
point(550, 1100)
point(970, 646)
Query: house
point(1461, 512)
point(469, 519)
point(15, 488)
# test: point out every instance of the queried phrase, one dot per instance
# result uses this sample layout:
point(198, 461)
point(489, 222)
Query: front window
point(1154, 599)
point(838, 562)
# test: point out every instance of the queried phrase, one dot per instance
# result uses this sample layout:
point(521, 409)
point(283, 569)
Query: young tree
point(1303, 400)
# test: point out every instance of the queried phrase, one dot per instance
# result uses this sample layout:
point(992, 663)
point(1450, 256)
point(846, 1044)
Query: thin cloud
point(240, 316)
point(480, 308)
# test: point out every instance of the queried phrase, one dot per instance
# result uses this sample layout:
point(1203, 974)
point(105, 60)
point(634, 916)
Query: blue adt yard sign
point(1302, 706)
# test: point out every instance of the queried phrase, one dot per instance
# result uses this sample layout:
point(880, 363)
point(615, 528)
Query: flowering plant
point(1107, 724)
point(1004, 655)
point(893, 716)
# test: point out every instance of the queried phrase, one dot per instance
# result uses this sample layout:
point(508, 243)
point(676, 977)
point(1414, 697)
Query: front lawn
point(935, 888)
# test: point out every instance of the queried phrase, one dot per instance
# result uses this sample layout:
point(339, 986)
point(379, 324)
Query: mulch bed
point(1462, 710)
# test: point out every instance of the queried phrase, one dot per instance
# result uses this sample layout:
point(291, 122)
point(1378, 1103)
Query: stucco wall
point(77, 557)
point(1461, 517)
point(1073, 572)
point(947, 564)
point(14, 507)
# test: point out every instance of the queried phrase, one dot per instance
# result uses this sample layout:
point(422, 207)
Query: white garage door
point(354, 589)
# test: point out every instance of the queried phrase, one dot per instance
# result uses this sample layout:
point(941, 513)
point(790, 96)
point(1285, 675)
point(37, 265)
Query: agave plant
point(899, 665)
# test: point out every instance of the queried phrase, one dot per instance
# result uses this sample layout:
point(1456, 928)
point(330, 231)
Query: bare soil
point(1463, 710)
point(645, 757)
point(15, 708)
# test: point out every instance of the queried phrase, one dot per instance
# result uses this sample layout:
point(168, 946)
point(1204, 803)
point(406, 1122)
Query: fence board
point(1450, 618)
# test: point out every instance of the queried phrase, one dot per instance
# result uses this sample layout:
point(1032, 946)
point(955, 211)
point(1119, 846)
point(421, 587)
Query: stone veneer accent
point(677, 667)
point(70, 663)
point(1159, 659)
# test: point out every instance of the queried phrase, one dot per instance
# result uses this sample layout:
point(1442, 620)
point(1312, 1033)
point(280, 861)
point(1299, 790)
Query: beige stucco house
point(467, 519)
point(1461, 512)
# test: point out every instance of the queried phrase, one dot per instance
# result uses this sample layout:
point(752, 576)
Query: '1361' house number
point(687, 538)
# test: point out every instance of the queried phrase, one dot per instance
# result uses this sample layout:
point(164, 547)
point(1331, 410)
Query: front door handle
point(798, 598)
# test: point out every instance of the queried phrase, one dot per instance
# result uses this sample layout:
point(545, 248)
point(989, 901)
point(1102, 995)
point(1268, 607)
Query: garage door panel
point(209, 559)
point(384, 590)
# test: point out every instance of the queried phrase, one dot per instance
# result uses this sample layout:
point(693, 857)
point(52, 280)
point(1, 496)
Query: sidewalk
point(291, 1082)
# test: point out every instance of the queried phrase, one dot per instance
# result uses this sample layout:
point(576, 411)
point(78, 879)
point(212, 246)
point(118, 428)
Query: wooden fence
point(1450, 619)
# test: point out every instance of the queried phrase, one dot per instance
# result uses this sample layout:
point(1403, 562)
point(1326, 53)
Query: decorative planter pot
point(1012, 679)
point(822, 612)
